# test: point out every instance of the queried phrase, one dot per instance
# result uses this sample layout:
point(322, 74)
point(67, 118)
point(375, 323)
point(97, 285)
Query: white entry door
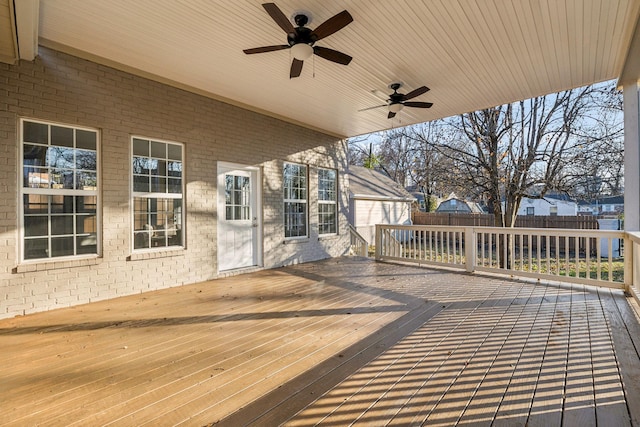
point(238, 216)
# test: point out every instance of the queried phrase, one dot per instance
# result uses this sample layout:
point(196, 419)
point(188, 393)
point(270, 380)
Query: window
point(59, 190)
point(237, 198)
point(553, 210)
point(157, 194)
point(530, 210)
point(327, 201)
point(295, 200)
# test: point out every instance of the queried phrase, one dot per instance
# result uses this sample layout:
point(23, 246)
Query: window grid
point(327, 201)
point(295, 200)
point(59, 209)
point(157, 193)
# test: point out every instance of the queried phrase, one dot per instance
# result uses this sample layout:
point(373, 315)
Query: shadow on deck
point(332, 342)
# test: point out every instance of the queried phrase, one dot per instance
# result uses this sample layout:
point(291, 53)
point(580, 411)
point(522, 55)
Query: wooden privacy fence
point(486, 220)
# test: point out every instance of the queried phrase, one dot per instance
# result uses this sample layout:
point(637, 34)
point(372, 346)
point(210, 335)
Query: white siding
point(368, 213)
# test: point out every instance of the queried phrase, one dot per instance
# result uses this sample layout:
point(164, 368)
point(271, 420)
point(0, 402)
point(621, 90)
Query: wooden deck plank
point(359, 390)
point(456, 400)
point(333, 342)
point(173, 353)
point(610, 404)
point(579, 405)
point(176, 379)
point(625, 333)
point(516, 401)
point(547, 403)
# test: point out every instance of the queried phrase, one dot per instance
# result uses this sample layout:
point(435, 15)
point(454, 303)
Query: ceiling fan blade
point(296, 68)
point(332, 55)
point(266, 49)
point(371, 108)
point(333, 24)
point(279, 17)
point(391, 115)
point(417, 104)
point(416, 92)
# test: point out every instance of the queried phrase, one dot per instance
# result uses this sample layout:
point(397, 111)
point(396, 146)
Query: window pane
point(158, 185)
point(86, 224)
point(151, 166)
point(87, 160)
point(36, 226)
point(36, 177)
point(61, 178)
point(142, 240)
point(86, 180)
point(61, 136)
point(36, 132)
point(175, 185)
point(159, 150)
point(61, 204)
point(35, 203)
point(36, 248)
point(86, 139)
point(141, 183)
point(62, 225)
point(87, 244)
point(60, 157)
point(140, 166)
point(34, 155)
point(161, 168)
point(174, 152)
point(174, 169)
point(61, 246)
point(140, 147)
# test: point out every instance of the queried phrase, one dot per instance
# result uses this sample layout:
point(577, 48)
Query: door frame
point(223, 168)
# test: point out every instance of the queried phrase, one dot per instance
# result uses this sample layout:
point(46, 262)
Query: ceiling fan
point(301, 39)
point(397, 101)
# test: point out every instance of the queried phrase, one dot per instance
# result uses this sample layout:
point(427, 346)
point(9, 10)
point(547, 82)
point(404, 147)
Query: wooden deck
point(333, 343)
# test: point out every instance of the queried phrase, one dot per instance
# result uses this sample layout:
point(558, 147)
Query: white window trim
point(64, 192)
point(305, 201)
point(156, 195)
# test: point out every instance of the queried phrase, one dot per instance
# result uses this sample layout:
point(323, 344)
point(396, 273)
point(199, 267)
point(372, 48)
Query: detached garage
point(374, 198)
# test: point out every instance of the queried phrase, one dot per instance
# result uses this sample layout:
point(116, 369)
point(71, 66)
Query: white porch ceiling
point(472, 54)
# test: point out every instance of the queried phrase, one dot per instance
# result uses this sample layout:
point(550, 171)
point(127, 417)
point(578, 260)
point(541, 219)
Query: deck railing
point(359, 246)
point(593, 257)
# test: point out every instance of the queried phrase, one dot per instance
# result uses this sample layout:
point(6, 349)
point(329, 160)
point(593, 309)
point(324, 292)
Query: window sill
point(165, 253)
point(45, 265)
point(328, 236)
point(295, 240)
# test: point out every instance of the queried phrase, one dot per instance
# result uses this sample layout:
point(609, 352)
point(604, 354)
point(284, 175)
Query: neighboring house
point(549, 205)
point(374, 198)
point(456, 205)
point(607, 205)
point(126, 185)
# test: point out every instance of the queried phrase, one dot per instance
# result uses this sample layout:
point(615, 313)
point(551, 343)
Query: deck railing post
point(378, 250)
point(470, 249)
point(630, 263)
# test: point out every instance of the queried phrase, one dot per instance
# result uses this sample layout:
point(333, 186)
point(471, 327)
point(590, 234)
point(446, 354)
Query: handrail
point(593, 257)
point(359, 245)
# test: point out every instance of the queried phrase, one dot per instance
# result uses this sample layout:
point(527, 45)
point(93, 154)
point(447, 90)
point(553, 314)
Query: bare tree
point(506, 153)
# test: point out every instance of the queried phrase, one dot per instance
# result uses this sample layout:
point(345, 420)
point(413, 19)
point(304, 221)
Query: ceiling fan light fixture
point(301, 51)
point(395, 107)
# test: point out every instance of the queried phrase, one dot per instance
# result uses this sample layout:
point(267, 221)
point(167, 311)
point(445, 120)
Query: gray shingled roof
point(370, 184)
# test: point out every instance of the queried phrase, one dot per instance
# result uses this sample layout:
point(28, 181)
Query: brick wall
point(61, 88)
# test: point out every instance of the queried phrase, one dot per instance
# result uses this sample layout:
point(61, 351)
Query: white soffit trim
point(27, 21)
